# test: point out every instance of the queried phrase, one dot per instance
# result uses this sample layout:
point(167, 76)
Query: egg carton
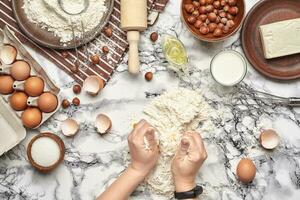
point(14, 124)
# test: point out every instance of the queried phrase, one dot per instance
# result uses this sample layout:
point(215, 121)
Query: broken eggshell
point(8, 54)
point(103, 124)
point(93, 84)
point(69, 127)
point(269, 139)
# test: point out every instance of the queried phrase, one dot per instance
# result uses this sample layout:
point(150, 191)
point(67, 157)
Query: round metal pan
point(45, 38)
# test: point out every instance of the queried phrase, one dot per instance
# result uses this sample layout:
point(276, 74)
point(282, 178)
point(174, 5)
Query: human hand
point(188, 159)
point(143, 160)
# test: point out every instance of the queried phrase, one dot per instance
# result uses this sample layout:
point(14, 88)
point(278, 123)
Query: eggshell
point(8, 54)
point(47, 102)
point(31, 117)
point(18, 101)
point(20, 70)
point(246, 170)
point(6, 84)
point(34, 86)
point(269, 139)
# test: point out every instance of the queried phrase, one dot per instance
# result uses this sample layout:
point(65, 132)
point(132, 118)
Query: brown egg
point(34, 86)
point(18, 101)
point(31, 117)
point(6, 84)
point(47, 102)
point(246, 170)
point(20, 70)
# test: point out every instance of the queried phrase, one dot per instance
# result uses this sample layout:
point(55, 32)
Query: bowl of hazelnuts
point(213, 20)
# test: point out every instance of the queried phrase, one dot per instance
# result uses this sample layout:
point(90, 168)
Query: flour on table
point(49, 15)
point(173, 113)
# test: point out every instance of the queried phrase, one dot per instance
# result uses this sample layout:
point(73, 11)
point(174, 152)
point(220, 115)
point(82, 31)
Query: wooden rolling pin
point(133, 20)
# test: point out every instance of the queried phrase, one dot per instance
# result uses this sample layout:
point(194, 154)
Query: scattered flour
point(173, 113)
point(49, 15)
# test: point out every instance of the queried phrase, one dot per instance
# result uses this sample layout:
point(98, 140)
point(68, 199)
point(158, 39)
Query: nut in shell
point(269, 139)
point(103, 124)
point(93, 84)
point(69, 127)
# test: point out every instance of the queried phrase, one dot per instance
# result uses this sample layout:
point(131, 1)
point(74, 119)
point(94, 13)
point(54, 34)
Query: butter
point(281, 38)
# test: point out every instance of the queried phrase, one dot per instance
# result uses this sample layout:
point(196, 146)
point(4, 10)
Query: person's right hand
point(189, 158)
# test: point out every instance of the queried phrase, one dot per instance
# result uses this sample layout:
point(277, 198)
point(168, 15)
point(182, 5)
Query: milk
point(45, 151)
point(228, 68)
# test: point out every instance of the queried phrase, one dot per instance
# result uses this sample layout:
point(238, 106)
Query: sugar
point(45, 151)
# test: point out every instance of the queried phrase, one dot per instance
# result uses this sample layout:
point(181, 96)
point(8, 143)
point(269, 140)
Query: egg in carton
point(25, 88)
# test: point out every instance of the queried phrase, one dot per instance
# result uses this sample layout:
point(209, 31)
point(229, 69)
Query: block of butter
point(281, 38)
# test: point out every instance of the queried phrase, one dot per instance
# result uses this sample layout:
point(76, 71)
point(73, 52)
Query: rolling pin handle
point(133, 38)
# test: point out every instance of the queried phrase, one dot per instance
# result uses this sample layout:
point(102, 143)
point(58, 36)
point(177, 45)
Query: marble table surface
point(92, 161)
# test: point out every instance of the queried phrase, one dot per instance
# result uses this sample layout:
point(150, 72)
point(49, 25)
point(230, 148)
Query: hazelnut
point(105, 49)
point(223, 2)
point(195, 13)
point(226, 8)
point(76, 89)
point(224, 20)
point(65, 103)
point(95, 59)
point(74, 68)
point(108, 31)
point(207, 21)
point(202, 17)
point(204, 30)
point(202, 10)
point(209, 8)
point(232, 2)
point(225, 29)
point(229, 16)
point(64, 54)
point(189, 8)
point(154, 36)
point(217, 32)
point(196, 4)
point(202, 2)
point(220, 25)
point(217, 4)
point(212, 17)
point(230, 23)
point(222, 14)
point(149, 76)
point(209, 2)
point(212, 27)
point(191, 19)
point(233, 10)
point(76, 101)
point(198, 24)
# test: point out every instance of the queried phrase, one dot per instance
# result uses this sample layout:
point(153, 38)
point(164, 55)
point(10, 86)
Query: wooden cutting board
point(265, 12)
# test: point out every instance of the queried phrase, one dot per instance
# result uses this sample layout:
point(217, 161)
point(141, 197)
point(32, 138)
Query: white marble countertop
point(93, 161)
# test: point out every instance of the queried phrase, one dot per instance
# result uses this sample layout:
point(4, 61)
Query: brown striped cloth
point(117, 44)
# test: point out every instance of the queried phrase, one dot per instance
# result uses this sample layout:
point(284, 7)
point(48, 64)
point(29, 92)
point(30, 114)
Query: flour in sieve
point(49, 15)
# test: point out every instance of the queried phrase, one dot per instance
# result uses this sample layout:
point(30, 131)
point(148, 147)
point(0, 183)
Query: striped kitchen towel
point(117, 44)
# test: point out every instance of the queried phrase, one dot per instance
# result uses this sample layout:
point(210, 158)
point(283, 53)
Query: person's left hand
point(143, 160)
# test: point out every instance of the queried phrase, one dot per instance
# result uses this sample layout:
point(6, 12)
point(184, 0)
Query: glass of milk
point(228, 67)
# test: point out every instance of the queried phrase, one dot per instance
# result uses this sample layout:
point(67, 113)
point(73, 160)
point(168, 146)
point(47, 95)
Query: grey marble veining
point(92, 161)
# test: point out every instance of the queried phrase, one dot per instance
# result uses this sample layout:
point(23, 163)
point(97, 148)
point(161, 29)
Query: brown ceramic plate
point(209, 37)
point(265, 12)
point(48, 39)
